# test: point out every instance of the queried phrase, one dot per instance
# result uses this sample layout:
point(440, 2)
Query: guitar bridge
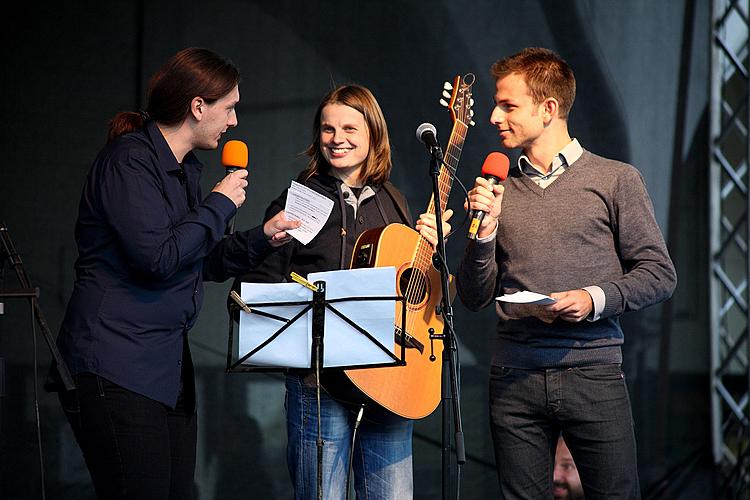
point(408, 341)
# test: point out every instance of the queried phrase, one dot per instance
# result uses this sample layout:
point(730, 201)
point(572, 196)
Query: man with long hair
point(147, 240)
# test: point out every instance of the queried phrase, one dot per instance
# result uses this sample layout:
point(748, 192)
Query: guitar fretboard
point(423, 253)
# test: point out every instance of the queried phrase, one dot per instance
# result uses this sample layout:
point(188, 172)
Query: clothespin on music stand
point(302, 281)
point(236, 297)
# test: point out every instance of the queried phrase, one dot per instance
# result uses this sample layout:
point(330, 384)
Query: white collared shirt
point(562, 160)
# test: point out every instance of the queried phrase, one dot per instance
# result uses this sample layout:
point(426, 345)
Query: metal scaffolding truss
point(730, 267)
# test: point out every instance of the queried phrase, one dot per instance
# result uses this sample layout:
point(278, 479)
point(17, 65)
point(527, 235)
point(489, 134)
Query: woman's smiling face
point(344, 138)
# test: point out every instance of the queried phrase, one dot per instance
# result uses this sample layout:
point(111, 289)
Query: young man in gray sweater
point(581, 229)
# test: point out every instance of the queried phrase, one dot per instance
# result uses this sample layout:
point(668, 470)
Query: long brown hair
point(377, 167)
point(192, 72)
point(546, 75)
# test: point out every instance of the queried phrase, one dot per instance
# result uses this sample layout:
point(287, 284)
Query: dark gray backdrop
point(642, 70)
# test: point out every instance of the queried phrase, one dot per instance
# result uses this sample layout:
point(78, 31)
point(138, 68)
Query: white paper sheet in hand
point(526, 297)
point(293, 347)
point(310, 207)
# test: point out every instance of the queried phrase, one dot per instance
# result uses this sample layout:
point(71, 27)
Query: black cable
point(2, 275)
point(463, 222)
point(36, 398)
point(453, 176)
point(458, 396)
point(466, 198)
point(351, 448)
point(320, 439)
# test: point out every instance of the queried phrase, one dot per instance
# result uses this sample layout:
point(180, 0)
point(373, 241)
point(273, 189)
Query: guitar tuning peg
point(446, 94)
point(471, 113)
point(447, 86)
point(444, 102)
point(471, 123)
point(471, 101)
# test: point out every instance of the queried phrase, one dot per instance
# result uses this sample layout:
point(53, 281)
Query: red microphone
point(495, 170)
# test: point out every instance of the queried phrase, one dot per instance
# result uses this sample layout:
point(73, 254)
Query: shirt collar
point(164, 154)
point(566, 157)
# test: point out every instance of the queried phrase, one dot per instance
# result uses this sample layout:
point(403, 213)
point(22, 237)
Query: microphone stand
point(449, 384)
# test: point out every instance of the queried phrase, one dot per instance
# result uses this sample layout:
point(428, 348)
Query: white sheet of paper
point(526, 297)
point(308, 206)
point(293, 347)
point(343, 345)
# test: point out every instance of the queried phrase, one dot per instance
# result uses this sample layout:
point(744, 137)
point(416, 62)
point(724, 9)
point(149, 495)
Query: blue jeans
point(588, 405)
point(382, 452)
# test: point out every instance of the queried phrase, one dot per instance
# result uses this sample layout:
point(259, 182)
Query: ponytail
point(126, 122)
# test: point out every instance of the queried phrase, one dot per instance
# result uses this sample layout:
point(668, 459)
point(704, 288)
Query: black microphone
point(427, 135)
point(495, 170)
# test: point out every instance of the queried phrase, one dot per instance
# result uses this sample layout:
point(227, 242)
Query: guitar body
point(412, 391)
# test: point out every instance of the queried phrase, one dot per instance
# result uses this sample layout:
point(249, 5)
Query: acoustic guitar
point(413, 391)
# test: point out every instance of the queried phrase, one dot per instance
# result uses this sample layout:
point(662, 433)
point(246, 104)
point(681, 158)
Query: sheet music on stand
point(359, 322)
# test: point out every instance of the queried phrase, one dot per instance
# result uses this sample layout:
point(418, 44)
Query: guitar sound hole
point(413, 285)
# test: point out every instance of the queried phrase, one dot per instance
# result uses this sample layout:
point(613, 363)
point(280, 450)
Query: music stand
point(8, 250)
point(318, 305)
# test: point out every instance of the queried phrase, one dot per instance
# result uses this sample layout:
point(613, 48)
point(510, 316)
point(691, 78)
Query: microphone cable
point(32, 302)
point(351, 448)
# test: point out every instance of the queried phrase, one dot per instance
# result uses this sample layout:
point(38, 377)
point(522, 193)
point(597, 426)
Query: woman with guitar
point(350, 163)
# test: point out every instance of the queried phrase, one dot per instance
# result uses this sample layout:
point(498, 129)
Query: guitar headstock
point(459, 101)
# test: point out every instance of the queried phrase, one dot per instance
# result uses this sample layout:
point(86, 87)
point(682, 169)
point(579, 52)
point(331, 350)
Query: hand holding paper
point(525, 304)
point(572, 305)
point(277, 229)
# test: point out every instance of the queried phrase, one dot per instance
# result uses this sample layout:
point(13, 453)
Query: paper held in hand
point(526, 297)
point(308, 206)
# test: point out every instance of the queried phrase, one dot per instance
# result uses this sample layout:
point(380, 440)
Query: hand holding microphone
point(234, 159)
point(487, 195)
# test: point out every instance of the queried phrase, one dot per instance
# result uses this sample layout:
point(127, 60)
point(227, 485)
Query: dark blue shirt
point(146, 242)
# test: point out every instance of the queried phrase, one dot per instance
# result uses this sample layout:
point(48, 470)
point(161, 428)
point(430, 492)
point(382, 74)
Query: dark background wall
point(642, 70)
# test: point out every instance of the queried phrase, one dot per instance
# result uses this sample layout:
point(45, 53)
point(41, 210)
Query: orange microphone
point(495, 170)
point(234, 156)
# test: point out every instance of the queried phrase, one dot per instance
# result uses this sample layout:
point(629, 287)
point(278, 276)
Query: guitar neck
point(423, 257)
point(449, 166)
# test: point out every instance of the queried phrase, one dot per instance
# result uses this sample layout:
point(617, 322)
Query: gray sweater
point(594, 225)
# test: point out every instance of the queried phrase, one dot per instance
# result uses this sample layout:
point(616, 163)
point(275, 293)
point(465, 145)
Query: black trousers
point(134, 447)
point(589, 405)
